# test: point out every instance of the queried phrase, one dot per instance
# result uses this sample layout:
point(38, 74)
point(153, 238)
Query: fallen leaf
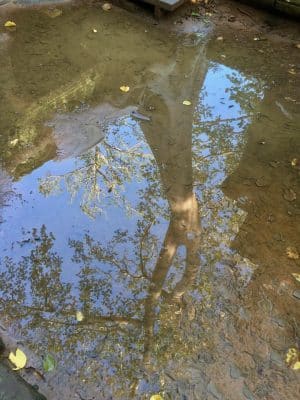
point(19, 359)
point(14, 142)
point(106, 6)
point(186, 103)
point(79, 316)
point(156, 397)
point(289, 195)
point(125, 89)
point(290, 99)
point(49, 363)
point(296, 366)
point(296, 276)
point(291, 355)
point(95, 30)
point(294, 162)
point(292, 253)
point(220, 38)
point(10, 24)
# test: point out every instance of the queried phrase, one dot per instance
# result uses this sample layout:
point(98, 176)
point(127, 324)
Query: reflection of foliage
point(142, 293)
point(36, 279)
point(103, 171)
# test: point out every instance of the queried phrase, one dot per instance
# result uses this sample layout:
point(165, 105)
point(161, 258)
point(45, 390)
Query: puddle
point(169, 234)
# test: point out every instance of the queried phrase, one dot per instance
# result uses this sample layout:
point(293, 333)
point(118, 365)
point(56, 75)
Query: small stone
point(247, 393)
point(235, 373)
point(296, 294)
point(106, 7)
point(212, 389)
point(276, 358)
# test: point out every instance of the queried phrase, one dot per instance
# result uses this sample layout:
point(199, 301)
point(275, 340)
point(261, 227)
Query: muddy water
point(149, 255)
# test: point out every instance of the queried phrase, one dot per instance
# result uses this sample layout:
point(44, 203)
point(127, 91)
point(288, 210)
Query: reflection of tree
point(131, 289)
point(103, 171)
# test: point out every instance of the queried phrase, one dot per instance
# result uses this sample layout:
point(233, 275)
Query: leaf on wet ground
point(287, 98)
point(106, 6)
point(49, 363)
point(296, 276)
point(19, 359)
point(14, 142)
point(289, 195)
point(156, 397)
point(79, 316)
point(296, 366)
point(186, 103)
point(292, 358)
point(292, 253)
point(124, 88)
point(10, 24)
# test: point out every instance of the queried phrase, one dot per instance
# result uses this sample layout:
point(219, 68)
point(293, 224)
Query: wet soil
point(151, 246)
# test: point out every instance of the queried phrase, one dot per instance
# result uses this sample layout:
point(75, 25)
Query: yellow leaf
point(14, 142)
point(186, 103)
point(95, 30)
point(296, 276)
point(125, 89)
point(291, 355)
point(156, 397)
point(79, 316)
point(296, 366)
point(294, 162)
point(292, 253)
point(19, 359)
point(10, 24)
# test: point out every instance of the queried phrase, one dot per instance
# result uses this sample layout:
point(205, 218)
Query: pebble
point(247, 393)
point(296, 294)
point(235, 372)
point(212, 389)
